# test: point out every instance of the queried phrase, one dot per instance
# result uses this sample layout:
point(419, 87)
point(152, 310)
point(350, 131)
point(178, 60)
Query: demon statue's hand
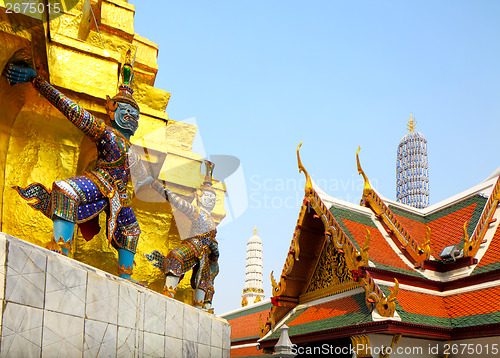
point(148, 180)
point(20, 74)
point(157, 259)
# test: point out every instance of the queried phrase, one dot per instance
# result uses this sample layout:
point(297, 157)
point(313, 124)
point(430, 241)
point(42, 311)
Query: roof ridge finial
point(309, 187)
point(361, 172)
point(411, 123)
point(255, 230)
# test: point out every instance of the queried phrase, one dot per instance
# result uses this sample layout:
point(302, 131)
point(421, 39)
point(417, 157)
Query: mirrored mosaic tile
point(226, 336)
point(3, 253)
point(203, 350)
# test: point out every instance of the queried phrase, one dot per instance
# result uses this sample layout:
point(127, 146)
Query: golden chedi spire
point(411, 123)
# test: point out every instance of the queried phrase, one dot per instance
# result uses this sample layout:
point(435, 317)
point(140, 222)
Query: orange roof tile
point(422, 303)
point(247, 326)
point(459, 305)
point(380, 251)
point(471, 303)
point(445, 231)
point(492, 255)
point(416, 229)
point(448, 230)
point(327, 310)
point(246, 351)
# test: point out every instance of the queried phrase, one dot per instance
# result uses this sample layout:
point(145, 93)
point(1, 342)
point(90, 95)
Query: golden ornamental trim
point(278, 288)
point(354, 260)
point(426, 244)
point(329, 291)
point(484, 222)
point(253, 289)
point(362, 259)
point(334, 232)
point(308, 187)
point(361, 345)
point(375, 298)
point(467, 241)
point(386, 307)
point(330, 271)
point(261, 326)
point(387, 352)
point(362, 173)
point(372, 200)
point(411, 123)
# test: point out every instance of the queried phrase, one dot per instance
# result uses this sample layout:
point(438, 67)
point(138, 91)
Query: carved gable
point(331, 274)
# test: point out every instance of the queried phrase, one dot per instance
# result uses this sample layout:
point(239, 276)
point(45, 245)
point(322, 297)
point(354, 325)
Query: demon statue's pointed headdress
point(125, 91)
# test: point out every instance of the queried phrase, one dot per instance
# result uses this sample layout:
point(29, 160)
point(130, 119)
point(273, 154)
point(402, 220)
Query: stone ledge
point(54, 306)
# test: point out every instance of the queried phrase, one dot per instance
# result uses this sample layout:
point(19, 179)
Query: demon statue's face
point(207, 199)
point(127, 116)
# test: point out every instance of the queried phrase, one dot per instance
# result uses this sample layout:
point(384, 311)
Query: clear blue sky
point(261, 76)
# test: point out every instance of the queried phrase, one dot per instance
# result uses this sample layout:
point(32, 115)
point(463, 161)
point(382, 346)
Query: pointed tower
point(412, 170)
point(253, 291)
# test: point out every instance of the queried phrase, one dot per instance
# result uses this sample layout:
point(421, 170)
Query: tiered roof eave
point(484, 189)
point(426, 281)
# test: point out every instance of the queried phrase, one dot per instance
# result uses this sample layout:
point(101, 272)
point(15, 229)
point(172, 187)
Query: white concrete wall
point(53, 306)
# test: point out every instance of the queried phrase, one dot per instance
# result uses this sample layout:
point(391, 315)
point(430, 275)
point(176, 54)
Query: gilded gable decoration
point(372, 200)
point(484, 222)
point(339, 267)
point(426, 244)
point(331, 270)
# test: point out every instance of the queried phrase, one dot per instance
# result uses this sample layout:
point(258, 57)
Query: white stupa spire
point(254, 288)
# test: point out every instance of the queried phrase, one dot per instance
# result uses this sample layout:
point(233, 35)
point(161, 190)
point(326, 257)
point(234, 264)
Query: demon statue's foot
point(61, 247)
point(169, 291)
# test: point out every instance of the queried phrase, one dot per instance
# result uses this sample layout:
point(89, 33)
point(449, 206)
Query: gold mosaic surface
point(38, 144)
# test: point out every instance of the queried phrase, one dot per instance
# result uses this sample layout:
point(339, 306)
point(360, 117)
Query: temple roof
point(375, 267)
point(245, 321)
point(421, 315)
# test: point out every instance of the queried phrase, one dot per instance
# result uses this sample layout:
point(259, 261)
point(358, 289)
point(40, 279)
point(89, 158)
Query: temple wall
point(54, 306)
